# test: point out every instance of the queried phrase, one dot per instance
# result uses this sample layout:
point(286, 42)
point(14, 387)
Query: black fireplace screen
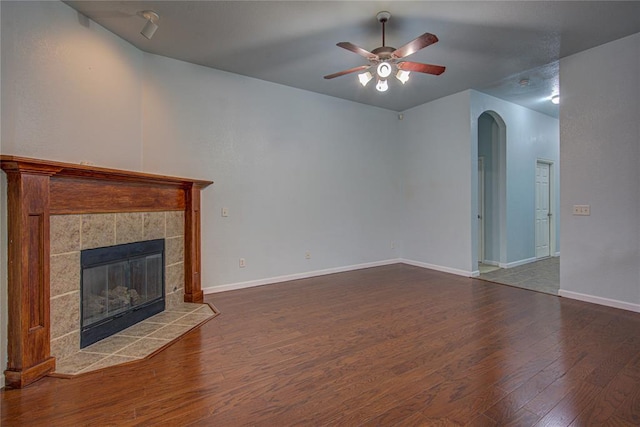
point(121, 285)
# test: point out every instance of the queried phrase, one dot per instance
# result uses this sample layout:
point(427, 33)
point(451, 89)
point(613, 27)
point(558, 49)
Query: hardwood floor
point(393, 345)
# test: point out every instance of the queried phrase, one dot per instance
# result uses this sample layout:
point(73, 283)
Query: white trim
point(557, 254)
point(518, 263)
point(489, 262)
point(600, 300)
point(455, 271)
point(297, 276)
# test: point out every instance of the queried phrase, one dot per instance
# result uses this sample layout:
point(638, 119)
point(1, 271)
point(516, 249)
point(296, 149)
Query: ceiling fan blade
point(415, 45)
point(357, 49)
point(421, 68)
point(349, 71)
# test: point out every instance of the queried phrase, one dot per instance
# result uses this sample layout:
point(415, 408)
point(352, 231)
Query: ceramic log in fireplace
point(37, 189)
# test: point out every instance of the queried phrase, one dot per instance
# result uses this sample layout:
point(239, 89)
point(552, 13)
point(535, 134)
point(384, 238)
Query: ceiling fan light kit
point(388, 60)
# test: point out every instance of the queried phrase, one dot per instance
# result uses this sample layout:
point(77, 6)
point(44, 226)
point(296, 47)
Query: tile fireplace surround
point(55, 210)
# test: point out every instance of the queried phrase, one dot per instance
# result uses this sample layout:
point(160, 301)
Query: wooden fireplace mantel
point(37, 189)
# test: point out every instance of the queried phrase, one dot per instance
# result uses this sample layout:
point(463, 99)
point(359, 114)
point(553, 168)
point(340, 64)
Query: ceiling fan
point(388, 59)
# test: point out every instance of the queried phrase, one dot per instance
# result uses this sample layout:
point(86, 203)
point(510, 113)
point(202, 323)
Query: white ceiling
point(487, 46)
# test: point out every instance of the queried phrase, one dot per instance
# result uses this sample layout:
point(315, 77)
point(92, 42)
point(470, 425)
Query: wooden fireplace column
point(37, 189)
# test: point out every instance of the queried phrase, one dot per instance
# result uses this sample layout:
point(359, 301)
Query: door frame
point(552, 206)
point(481, 209)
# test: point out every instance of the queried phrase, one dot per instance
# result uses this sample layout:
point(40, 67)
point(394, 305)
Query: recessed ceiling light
point(524, 82)
point(555, 99)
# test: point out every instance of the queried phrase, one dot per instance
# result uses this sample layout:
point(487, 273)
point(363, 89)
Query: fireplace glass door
point(121, 285)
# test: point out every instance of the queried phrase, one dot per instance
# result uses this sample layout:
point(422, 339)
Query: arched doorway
point(492, 192)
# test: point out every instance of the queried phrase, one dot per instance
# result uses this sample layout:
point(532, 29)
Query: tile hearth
point(137, 341)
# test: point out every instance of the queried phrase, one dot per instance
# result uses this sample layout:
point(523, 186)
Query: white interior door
point(480, 209)
point(543, 213)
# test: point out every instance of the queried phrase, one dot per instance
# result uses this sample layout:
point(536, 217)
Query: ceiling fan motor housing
point(383, 16)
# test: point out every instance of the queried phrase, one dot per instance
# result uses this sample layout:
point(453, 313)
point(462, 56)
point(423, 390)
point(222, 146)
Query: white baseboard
point(517, 263)
point(297, 276)
point(455, 271)
point(557, 254)
point(489, 262)
point(600, 300)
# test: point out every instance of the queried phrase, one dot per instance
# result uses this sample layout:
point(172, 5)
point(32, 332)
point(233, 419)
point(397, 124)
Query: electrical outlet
point(242, 263)
point(583, 210)
point(225, 212)
point(307, 255)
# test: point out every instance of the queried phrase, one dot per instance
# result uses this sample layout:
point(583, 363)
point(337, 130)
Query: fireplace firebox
point(120, 285)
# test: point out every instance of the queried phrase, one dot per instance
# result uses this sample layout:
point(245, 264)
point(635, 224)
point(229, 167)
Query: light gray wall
point(71, 90)
point(298, 171)
point(529, 136)
point(436, 164)
point(600, 156)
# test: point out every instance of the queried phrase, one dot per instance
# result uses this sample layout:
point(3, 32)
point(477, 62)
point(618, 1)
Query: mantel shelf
point(71, 170)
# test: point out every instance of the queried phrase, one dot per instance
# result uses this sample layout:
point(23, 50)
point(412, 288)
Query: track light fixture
point(151, 26)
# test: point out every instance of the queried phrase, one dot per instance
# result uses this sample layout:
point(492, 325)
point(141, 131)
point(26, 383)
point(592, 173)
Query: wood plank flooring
point(393, 345)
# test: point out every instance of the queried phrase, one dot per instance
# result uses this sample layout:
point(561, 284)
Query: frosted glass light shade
point(382, 86)
point(403, 76)
point(365, 78)
point(384, 69)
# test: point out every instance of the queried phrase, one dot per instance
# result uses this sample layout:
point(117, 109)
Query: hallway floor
point(541, 276)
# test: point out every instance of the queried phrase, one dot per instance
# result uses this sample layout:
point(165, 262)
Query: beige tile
point(77, 362)
point(128, 227)
point(170, 332)
point(174, 300)
point(175, 223)
point(143, 347)
point(174, 250)
point(108, 361)
point(192, 319)
point(204, 308)
point(66, 345)
point(110, 345)
point(141, 329)
point(64, 273)
point(65, 314)
point(153, 225)
point(64, 233)
point(185, 307)
point(165, 317)
point(98, 230)
point(174, 277)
